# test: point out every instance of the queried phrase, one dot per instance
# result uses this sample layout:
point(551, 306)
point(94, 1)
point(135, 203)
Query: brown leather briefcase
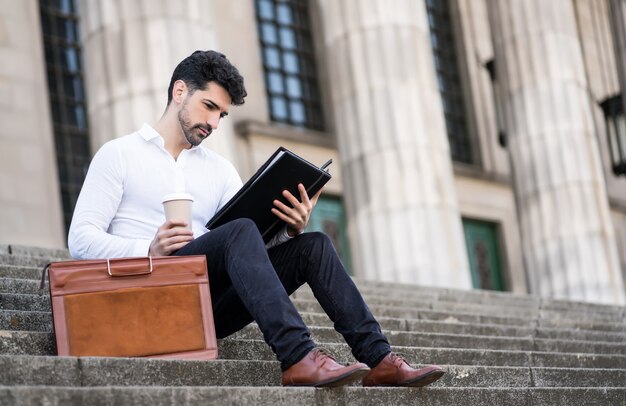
point(133, 307)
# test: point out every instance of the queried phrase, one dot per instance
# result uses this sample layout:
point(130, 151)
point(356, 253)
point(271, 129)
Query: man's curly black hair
point(202, 67)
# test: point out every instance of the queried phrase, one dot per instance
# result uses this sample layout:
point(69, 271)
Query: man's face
point(201, 112)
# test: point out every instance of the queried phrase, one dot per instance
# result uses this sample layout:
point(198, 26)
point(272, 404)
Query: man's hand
point(171, 236)
point(297, 216)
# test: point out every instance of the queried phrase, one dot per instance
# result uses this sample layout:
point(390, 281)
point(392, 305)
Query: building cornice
point(476, 172)
point(286, 132)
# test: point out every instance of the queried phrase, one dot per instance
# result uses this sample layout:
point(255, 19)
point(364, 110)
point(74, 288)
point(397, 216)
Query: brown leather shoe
point(393, 370)
point(318, 368)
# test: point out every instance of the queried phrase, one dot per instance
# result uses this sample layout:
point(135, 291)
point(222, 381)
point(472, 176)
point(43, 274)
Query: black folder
point(284, 170)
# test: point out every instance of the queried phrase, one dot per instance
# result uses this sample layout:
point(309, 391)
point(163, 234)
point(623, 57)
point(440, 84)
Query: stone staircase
point(498, 349)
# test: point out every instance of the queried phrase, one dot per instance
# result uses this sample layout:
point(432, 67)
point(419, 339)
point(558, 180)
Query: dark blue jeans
point(249, 282)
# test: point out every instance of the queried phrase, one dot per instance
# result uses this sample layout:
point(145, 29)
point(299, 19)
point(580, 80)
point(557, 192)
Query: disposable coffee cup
point(178, 207)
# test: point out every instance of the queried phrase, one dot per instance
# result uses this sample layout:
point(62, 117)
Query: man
point(119, 214)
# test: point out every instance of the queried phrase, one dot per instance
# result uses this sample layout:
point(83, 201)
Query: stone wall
point(30, 208)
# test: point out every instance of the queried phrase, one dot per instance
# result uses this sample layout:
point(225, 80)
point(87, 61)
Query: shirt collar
point(149, 134)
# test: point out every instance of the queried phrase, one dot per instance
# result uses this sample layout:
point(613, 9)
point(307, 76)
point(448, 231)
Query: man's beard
point(193, 133)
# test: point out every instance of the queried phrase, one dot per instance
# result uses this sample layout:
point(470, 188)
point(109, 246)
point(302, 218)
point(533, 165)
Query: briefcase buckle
point(141, 272)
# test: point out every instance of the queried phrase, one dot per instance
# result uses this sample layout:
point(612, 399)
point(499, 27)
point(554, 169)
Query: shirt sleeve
point(96, 207)
point(280, 237)
point(231, 187)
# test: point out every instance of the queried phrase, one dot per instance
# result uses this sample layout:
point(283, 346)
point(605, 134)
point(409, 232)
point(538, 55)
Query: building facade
point(477, 143)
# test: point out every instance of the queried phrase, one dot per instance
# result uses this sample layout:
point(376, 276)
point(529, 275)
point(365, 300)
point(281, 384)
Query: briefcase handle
point(110, 269)
point(124, 261)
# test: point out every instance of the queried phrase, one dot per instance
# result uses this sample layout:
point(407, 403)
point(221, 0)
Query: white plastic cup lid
point(177, 196)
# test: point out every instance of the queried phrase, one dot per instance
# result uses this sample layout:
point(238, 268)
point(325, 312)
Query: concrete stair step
point(20, 272)
point(102, 371)
point(445, 294)
point(474, 295)
point(31, 267)
point(443, 300)
point(18, 320)
point(193, 395)
point(529, 311)
point(12, 301)
point(42, 321)
point(584, 323)
point(488, 299)
point(441, 340)
point(474, 314)
point(39, 343)
point(581, 307)
point(454, 327)
point(441, 306)
point(21, 286)
point(25, 261)
point(387, 308)
point(257, 349)
point(26, 251)
point(576, 334)
point(27, 343)
point(35, 302)
point(588, 322)
point(86, 371)
point(31, 287)
point(438, 340)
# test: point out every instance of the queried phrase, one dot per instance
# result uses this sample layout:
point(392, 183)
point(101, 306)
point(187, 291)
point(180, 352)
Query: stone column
point(617, 16)
point(568, 241)
point(30, 205)
point(130, 50)
point(403, 217)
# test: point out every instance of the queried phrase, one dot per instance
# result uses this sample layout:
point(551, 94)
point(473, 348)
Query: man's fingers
point(177, 239)
point(297, 213)
point(297, 210)
point(297, 216)
point(304, 196)
point(176, 247)
point(174, 223)
point(178, 230)
point(172, 244)
point(316, 196)
point(181, 231)
point(171, 236)
point(287, 219)
point(282, 206)
point(291, 198)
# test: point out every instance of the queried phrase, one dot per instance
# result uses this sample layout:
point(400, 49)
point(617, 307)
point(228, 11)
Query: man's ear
point(179, 91)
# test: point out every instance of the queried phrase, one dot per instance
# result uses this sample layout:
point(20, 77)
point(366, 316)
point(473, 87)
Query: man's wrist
point(292, 233)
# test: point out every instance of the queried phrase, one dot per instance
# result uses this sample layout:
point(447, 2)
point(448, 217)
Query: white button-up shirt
point(119, 207)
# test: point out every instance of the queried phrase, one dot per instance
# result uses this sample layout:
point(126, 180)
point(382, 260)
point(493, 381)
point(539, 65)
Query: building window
point(329, 217)
point(448, 79)
point(483, 251)
point(59, 20)
point(289, 63)
point(495, 89)
point(616, 132)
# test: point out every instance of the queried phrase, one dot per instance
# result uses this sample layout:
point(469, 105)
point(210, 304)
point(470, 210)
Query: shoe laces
point(321, 353)
point(397, 359)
